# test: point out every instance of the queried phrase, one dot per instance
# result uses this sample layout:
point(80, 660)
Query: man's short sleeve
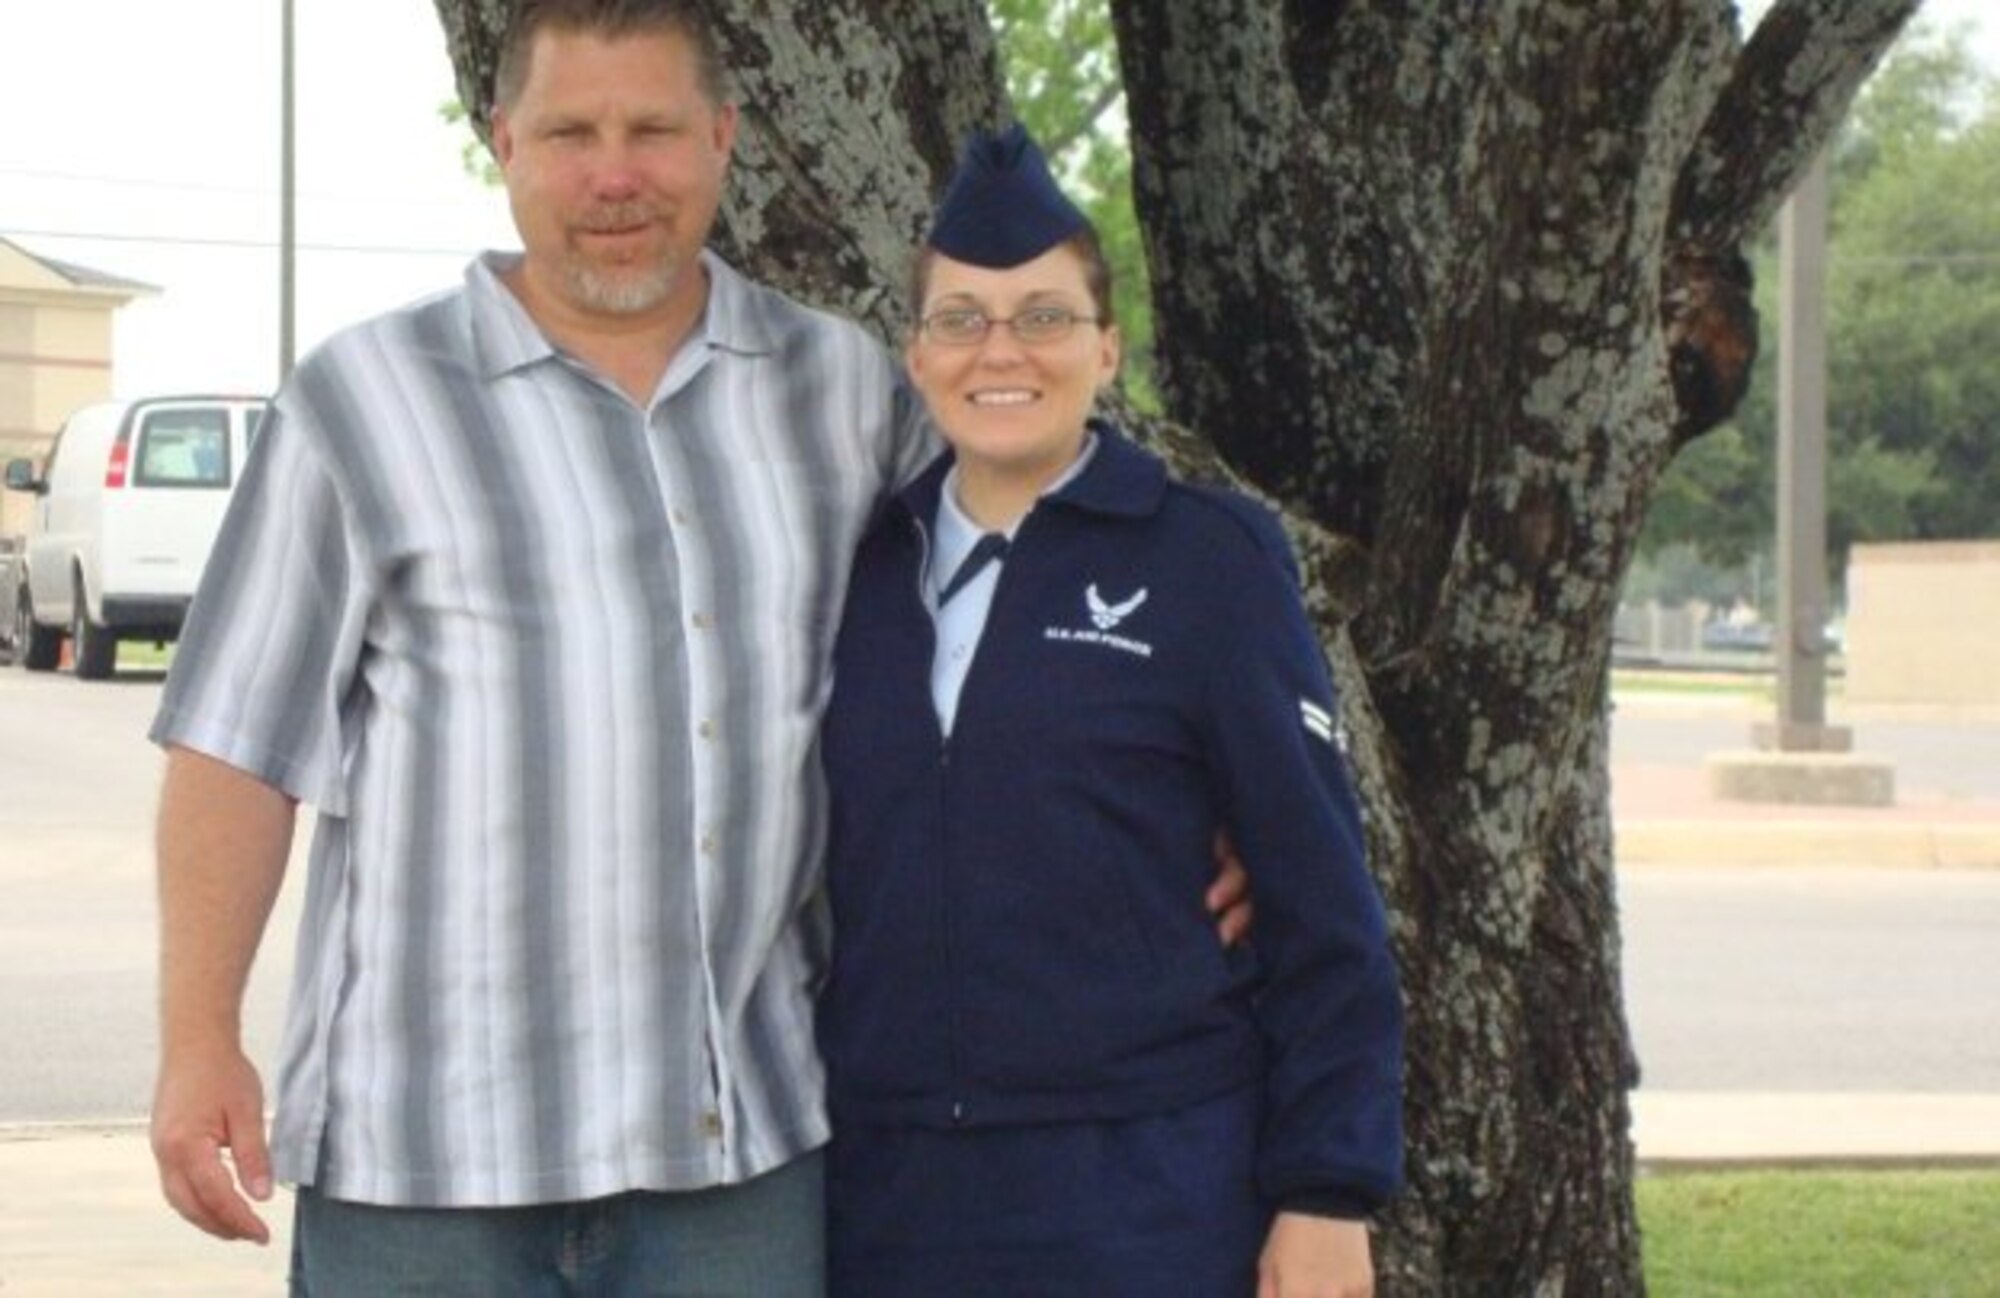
point(266, 661)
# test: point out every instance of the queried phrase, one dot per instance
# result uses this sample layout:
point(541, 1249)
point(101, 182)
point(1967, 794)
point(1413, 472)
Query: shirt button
point(708, 845)
point(701, 621)
point(706, 729)
point(680, 517)
point(711, 1125)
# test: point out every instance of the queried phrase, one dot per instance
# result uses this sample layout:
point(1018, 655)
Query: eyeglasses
point(966, 327)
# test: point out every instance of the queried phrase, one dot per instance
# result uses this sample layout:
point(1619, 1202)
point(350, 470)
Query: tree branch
point(1786, 96)
point(1087, 120)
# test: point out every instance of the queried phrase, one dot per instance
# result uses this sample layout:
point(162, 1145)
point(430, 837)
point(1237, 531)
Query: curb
point(28, 1133)
point(1681, 1165)
point(1921, 846)
point(1858, 1130)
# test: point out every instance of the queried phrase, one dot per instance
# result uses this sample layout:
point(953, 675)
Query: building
point(1923, 623)
point(55, 352)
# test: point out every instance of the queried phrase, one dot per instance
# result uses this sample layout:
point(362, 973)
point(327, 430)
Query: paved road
point(76, 755)
point(78, 787)
point(1766, 980)
point(1802, 979)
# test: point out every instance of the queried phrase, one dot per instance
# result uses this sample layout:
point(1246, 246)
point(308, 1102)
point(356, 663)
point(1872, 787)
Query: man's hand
point(1228, 898)
point(207, 1102)
point(1315, 1257)
point(223, 838)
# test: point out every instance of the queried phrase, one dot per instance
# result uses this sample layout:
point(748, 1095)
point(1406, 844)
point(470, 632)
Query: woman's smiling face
point(1007, 406)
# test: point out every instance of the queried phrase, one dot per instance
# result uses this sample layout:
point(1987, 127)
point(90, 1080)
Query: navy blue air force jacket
point(1020, 934)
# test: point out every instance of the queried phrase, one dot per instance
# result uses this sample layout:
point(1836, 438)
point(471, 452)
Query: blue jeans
point(762, 1239)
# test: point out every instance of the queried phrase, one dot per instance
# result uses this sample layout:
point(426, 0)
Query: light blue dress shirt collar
point(961, 622)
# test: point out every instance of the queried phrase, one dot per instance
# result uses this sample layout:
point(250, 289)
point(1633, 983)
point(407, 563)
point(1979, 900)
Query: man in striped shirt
point(529, 591)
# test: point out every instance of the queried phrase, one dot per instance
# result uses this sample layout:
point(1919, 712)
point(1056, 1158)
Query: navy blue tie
point(987, 548)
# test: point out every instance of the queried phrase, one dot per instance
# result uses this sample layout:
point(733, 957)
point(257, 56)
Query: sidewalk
point(1847, 1128)
point(81, 1217)
point(1665, 815)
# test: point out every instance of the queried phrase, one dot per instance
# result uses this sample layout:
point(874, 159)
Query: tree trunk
point(1452, 281)
point(1413, 272)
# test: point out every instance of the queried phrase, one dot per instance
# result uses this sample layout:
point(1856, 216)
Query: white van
point(128, 509)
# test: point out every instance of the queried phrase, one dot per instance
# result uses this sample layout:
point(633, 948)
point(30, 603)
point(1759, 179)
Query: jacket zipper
point(953, 1058)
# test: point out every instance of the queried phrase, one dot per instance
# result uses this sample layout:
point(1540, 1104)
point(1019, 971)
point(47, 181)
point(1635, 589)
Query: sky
point(140, 138)
point(153, 124)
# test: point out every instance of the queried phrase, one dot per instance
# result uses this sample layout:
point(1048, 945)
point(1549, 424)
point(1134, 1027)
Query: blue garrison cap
point(1002, 206)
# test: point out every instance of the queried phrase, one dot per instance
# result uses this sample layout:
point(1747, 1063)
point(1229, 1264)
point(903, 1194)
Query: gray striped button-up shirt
point(551, 667)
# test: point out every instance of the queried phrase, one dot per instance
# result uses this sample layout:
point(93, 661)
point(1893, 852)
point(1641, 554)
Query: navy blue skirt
point(1160, 1205)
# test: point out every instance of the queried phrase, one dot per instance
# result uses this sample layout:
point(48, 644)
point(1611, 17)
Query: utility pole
point(1799, 759)
point(1801, 632)
point(288, 201)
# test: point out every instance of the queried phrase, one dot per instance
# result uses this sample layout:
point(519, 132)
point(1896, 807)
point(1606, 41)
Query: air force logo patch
point(1105, 617)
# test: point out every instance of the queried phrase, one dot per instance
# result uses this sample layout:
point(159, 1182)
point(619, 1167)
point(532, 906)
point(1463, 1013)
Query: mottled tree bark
point(1456, 279)
point(1452, 281)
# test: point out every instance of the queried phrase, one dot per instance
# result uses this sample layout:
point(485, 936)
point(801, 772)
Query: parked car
point(125, 515)
point(1737, 636)
point(10, 552)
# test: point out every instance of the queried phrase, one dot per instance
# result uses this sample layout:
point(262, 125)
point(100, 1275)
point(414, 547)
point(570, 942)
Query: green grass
point(1751, 685)
point(1804, 1234)
point(143, 655)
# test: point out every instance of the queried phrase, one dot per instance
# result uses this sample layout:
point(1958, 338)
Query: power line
point(136, 182)
point(234, 191)
point(193, 241)
point(1917, 259)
